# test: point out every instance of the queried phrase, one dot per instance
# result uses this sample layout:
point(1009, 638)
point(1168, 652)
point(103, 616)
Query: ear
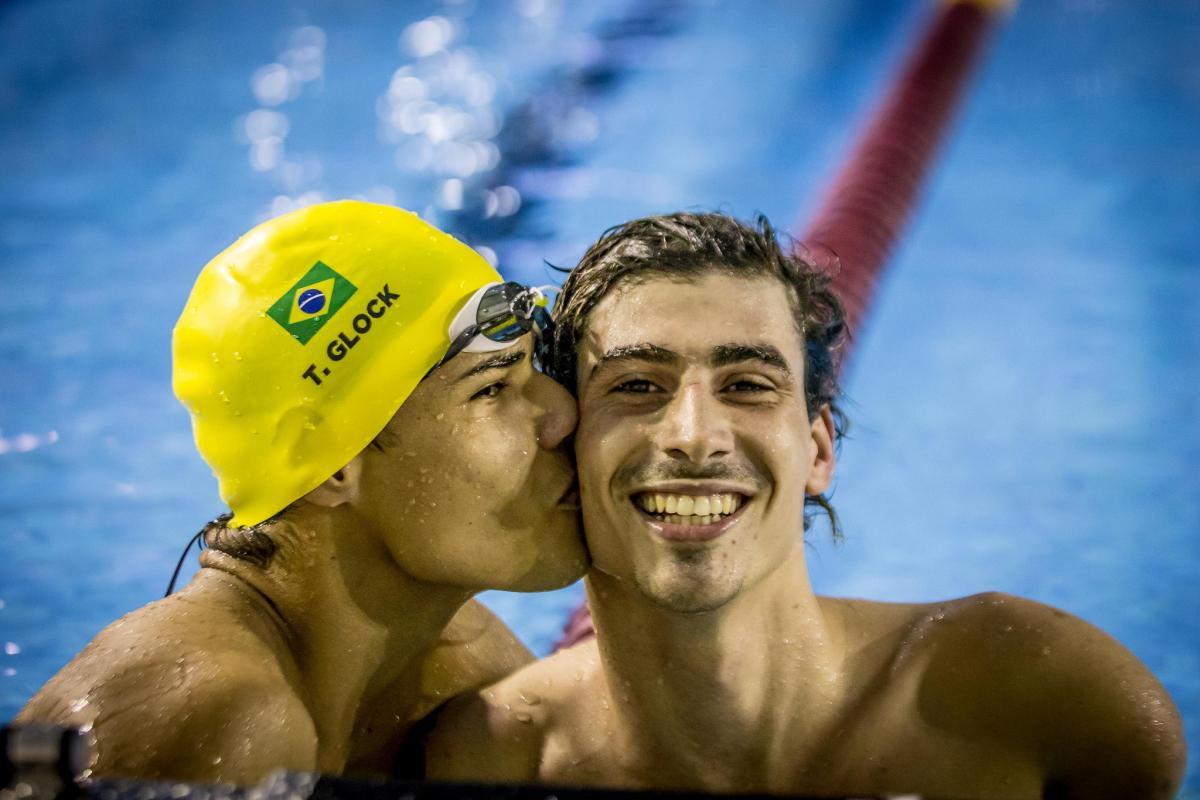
point(824, 458)
point(339, 488)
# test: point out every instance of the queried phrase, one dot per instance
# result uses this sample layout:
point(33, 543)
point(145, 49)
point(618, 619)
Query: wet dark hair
point(252, 543)
point(688, 246)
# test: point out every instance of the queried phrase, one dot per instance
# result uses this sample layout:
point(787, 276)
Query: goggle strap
point(458, 345)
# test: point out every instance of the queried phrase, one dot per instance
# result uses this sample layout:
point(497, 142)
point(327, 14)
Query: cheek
point(488, 457)
point(787, 443)
point(597, 456)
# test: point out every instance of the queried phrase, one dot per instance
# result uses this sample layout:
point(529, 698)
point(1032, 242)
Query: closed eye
point(492, 390)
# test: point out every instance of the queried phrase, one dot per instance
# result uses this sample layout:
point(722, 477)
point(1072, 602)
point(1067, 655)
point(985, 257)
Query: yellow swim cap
point(300, 341)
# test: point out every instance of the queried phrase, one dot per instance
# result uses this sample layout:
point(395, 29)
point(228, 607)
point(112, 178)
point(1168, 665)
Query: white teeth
point(685, 509)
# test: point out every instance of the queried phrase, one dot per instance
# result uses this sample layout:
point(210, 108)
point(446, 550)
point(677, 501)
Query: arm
point(472, 740)
point(1113, 731)
point(162, 712)
point(477, 740)
point(476, 649)
point(1096, 721)
point(235, 731)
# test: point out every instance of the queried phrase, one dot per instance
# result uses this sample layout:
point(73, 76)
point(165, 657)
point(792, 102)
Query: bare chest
point(882, 744)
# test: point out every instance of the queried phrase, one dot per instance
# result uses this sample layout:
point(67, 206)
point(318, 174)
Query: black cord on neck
point(175, 575)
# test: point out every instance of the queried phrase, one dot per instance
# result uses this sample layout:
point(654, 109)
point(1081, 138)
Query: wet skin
point(716, 668)
point(357, 628)
point(475, 461)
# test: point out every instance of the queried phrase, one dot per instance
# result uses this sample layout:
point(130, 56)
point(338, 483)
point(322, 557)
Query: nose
point(695, 425)
point(559, 412)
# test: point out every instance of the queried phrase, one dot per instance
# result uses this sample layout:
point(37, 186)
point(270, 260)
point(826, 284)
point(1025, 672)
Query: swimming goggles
point(496, 316)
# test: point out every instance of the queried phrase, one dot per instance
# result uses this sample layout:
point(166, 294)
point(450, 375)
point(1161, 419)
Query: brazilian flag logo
point(311, 302)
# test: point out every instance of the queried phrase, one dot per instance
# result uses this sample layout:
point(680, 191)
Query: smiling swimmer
point(362, 386)
point(702, 353)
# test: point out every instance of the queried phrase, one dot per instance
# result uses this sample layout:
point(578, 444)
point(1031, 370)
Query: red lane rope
point(864, 211)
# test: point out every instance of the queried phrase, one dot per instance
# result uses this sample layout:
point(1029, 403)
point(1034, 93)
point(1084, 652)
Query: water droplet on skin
point(523, 716)
point(530, 698)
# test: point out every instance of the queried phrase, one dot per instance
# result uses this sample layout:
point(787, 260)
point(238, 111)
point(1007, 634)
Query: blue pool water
point(1025, 396)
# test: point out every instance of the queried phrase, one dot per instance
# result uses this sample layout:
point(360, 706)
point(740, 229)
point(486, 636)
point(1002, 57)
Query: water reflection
point(478, 159)
point(265, 129)
point(24, 443)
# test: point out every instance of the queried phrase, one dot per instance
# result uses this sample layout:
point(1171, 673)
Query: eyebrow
point(723, 355)
point(501, 361)
point(643, 351)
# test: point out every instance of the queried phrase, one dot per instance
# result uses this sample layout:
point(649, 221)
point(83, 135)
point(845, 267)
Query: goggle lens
point(505, 312)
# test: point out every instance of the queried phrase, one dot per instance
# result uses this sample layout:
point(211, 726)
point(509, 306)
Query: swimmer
point(703, 357)
point(361, 385)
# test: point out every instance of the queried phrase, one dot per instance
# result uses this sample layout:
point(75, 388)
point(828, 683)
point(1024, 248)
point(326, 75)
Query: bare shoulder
point(1096, 718)
point(169, 699)
point(499, 733)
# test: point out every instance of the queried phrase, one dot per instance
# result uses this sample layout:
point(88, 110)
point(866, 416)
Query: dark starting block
point(45, 762)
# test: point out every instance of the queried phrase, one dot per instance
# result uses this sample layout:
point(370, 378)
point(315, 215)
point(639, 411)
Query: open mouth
point(689, 510)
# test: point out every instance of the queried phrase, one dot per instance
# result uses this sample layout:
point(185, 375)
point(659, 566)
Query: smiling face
point(470, 483)
point(694, 445)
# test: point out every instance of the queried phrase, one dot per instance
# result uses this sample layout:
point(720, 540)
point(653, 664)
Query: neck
point(736, 693)
point(350, 621)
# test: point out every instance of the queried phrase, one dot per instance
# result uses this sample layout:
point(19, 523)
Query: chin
point(688, 591)
point(562, 559)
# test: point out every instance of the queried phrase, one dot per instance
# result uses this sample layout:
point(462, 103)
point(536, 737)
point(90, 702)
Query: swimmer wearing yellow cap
point(361, 385)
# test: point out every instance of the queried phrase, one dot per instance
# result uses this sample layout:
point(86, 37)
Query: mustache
point(668, 470)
